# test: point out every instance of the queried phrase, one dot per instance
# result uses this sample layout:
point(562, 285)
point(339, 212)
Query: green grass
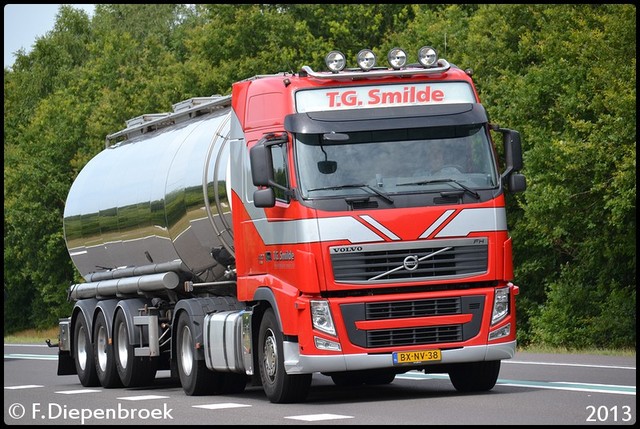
point(33, 336)
point(563, 350)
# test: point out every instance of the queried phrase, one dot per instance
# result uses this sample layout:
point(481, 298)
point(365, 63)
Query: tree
point(574, 243)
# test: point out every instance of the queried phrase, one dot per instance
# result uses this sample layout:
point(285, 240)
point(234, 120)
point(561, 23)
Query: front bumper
point(295, 363)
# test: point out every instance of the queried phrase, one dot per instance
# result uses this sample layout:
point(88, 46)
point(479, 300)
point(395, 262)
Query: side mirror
point(517, 182)
point(261, 165)
point(262, 173)
point(264, 198)
point(512, 150)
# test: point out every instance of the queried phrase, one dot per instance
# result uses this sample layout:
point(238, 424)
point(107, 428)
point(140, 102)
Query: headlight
point(500, 305)
point(366, 59)
point(321, 317)
point(335, 61)
point(427, 56)
point(397, 58)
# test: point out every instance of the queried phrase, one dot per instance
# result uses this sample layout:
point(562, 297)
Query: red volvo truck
point(349, 223)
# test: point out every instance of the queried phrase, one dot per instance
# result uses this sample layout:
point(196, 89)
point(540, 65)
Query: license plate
point(416, 356)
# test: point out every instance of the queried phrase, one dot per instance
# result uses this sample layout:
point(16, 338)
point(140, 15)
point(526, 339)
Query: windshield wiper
point(356, 185)
point(427, 182)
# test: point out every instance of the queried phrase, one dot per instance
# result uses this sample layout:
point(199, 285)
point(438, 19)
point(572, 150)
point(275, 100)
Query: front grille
point(412, 336)
point(399, 309)
point(399, 262)
point(408, 309)
point(408, 336)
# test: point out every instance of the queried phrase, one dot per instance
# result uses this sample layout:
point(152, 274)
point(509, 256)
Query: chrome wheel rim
point(186, 351)
point(81, 348)
point(122, 346)
point(270, 359)
point(101, 342)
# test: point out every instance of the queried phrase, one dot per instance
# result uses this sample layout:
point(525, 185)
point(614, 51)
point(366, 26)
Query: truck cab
point(377, 212)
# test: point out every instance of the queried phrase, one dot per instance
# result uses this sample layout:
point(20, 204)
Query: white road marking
point(25, 386)
point(30, 356)
point(76, 392)
point(567, 364)
point(143, 397)
point(319, 417)
point(220, 406)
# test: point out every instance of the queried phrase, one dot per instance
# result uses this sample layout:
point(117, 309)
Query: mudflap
point(66, 364)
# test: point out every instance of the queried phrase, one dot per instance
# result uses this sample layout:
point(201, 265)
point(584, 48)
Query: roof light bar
point(336, 61)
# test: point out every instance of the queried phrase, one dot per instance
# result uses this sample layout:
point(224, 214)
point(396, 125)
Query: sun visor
point(386, 119)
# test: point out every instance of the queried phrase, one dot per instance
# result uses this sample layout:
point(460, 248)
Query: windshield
point(396, 161)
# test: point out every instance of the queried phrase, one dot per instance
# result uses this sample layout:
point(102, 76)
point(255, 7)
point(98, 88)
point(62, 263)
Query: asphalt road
point(532, 389)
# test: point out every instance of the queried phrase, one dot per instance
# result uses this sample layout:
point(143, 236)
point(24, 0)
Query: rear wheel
point(103, 354)
point(133, 371)
point(279, 386)
point(83, 354)
point(475, 376)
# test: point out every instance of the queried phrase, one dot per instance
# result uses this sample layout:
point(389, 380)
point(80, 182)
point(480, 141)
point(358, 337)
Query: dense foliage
point(563, 75)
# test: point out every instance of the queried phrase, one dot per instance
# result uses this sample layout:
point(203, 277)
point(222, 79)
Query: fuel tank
point(158, 198)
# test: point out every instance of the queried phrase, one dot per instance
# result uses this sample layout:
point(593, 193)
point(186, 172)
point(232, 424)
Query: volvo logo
point(346, 249)
point(410, 263)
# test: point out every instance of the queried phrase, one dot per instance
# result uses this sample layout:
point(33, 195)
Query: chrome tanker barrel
point(155, 201)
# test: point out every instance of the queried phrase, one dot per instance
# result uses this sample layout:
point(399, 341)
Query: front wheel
point(279, 386)
point(475, 376)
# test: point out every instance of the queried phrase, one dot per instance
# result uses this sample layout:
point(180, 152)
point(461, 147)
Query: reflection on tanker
point(161, 197)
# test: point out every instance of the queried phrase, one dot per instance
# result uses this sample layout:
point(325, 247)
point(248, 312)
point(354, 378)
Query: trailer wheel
point(103, 354)
point(278, 385)
point(133, 371)
point(83, 354)
point(475, 376)
point(195, 377)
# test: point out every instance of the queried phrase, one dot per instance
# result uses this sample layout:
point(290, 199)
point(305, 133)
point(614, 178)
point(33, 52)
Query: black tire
point(103, 354)
point(475, 376)
point(195, 378)
point(277, 384)
point(133, 371)
point(83, 354)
